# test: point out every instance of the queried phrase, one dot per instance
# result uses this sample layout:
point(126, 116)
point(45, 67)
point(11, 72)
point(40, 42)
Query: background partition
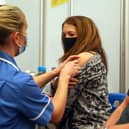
point(126, 44)
point(107, 16)
point(44, 34)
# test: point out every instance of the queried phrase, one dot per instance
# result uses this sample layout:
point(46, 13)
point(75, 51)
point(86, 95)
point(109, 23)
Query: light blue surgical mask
point(23, 48)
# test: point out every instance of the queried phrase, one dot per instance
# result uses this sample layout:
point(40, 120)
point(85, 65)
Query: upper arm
point(84, 58)
point(35, 105)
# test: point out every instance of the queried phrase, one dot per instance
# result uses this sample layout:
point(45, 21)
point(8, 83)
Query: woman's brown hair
point(88, 39)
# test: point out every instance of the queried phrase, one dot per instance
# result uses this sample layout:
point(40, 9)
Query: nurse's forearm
point(60, 98)
point(44, 78)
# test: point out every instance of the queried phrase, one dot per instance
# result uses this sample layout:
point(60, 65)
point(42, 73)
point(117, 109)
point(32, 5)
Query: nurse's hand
point(71, 68)
point(61, 65)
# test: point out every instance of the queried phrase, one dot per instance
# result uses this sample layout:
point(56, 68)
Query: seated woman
point(87, 106)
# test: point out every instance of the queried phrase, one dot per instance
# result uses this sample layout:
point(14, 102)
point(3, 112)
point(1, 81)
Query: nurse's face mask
point(22, 48)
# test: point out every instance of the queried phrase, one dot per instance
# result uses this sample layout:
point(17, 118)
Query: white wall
point(52, 42)
point(30, 58)
point(106, 14)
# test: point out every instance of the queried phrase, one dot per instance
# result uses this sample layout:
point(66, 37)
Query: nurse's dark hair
point(12, 19)
point(88, 40)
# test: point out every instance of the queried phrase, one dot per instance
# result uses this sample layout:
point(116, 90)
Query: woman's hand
point(73, 82)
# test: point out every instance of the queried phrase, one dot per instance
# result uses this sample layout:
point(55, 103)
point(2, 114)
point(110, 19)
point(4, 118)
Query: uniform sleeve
point(33, 103)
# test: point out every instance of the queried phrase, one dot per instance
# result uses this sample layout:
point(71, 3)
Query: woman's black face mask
point(68, 43)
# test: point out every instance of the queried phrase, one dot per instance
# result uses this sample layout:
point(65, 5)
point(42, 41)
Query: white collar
point(8, 62)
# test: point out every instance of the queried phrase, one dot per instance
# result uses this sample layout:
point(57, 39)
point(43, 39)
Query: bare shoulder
point(84, 57)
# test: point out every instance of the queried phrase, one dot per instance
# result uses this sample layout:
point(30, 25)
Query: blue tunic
point(22, 103)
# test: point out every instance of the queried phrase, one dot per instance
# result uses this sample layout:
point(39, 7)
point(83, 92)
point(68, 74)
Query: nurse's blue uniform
point(22, 103)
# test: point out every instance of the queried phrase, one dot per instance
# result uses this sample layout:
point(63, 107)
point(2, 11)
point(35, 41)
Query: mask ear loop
point(25, 38)
point(21, 38)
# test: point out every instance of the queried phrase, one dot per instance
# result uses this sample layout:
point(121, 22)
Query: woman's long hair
point(88, 38)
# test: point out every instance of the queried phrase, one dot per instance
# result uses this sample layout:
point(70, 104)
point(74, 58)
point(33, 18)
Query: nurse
point(22, 104)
